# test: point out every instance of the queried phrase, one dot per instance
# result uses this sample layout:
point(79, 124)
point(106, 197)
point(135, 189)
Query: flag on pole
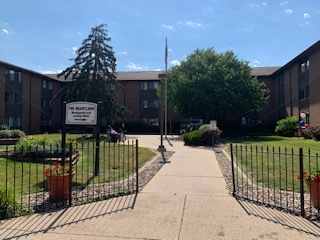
point(166, 53)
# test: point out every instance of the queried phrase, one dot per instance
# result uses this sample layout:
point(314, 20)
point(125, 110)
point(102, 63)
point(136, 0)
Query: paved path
point(187, 199)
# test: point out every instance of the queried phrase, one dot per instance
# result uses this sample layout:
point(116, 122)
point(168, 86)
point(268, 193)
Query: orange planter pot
point(59, 186)
point(314, 189)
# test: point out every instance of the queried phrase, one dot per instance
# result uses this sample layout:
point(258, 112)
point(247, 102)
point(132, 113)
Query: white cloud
point(255, 63)
point(5, 31)
point(288, 11)
point(74, 49)
point(123, 53)
point(284, 3)
point(265, 4)
point(134, 67)
point(169, 27)
point(306, 15)
point(175, 63)
point(188, 23)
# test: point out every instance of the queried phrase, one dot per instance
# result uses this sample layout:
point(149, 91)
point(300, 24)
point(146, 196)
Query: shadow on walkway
point(283, 218)
point(44, 222)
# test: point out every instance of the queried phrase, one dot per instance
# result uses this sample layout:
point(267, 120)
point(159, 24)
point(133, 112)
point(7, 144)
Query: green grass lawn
point(277, 142)
point(117, 161)
point(273, 161)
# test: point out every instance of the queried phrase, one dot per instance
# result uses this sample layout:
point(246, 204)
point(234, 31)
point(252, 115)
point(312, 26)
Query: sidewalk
point(187, 199)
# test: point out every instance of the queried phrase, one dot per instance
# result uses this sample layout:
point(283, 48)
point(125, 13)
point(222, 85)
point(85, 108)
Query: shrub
point(5, 133)
point(287, 127)
point(8, 204)
point(192, 138)
point(15, 133)
point(4, 127)
point(208, 135)
point(201, 136)
point(306, 133)
point(315, 131)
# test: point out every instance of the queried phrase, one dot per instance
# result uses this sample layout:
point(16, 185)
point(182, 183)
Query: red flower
point(304, 175)
point(57, 169)
point(316, 179)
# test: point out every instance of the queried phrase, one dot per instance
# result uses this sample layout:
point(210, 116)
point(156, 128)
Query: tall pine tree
point(92, 76)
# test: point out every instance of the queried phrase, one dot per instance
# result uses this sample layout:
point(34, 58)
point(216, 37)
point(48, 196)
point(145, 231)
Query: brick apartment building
point(25, 95)
point(25, 99)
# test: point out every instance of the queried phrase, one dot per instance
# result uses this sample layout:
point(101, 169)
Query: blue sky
point(43, 35)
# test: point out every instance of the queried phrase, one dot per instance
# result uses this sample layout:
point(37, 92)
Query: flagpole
point(166, 91)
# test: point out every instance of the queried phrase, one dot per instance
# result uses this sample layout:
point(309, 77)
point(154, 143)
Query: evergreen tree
point(92, 76)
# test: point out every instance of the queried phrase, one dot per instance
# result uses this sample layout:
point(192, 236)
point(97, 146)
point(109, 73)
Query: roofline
point(295, 60)
point(23, 69)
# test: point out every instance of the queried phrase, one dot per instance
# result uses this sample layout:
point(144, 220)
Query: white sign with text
point(81, 113)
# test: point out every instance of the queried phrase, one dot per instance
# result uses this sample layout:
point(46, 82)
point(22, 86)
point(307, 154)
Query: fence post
point(137, 166)
point(302, 212)
point(232, 169)
point(70, 174)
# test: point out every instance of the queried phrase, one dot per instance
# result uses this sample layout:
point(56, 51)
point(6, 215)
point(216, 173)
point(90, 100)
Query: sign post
point(213, 128)
point(80, 113)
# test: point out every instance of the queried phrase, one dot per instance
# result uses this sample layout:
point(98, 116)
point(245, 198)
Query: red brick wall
point(132, 100)
point(31, 103)
point(270, 111)
point(56, 106)
point(314, 88)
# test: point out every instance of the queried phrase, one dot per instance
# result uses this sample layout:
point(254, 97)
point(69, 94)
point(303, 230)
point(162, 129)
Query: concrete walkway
point(187, 199)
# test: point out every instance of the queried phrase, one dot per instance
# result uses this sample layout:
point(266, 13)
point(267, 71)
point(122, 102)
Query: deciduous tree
point(209, 85)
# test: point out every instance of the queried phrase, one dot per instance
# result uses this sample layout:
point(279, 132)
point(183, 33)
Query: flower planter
point(314, 189)
point(59, 186)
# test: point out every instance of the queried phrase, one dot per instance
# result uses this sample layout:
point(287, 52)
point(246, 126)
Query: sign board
point(213, 125)
point(81, 113)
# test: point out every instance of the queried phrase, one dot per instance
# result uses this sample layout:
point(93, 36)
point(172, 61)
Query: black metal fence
point(271, 176)
point(25, 187)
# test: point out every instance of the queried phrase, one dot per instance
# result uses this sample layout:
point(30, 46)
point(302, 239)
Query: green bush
point(202, 136)
point(15, 133)
point(192, 138)
point(287, 127)
point(8, 204)
point(4, 127)
point(5, 133)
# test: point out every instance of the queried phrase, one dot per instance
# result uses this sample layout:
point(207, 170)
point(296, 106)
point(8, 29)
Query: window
point(153, 104)
point(304, 92)
point(144, 104)
point(13, 75)
point(12, 98)
point(45, 102)
point(153, 85)
point(46, 84)
point(150, 85)
point(304, 65)
point(46, 121)
point(150, 122)
point(14, 122)
point(149, 104)
point(144, 85)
